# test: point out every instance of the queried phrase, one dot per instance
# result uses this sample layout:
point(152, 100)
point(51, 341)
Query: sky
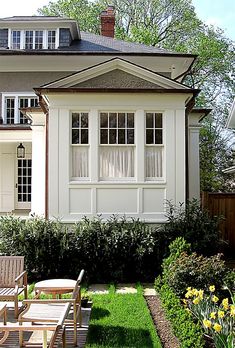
point(220, 13)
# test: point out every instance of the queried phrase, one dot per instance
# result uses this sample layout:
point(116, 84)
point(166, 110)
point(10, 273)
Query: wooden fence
point(222, 204)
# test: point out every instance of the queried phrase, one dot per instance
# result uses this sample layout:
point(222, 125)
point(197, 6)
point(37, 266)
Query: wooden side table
point(55, 287)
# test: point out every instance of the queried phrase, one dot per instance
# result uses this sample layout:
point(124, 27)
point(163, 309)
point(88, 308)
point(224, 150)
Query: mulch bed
point(163, 325)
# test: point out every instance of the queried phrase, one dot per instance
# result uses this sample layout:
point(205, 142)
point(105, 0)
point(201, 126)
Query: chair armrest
point(22, 275)
point(66, 300)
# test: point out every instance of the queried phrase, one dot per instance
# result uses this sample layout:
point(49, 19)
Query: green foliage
point(195, 225)
point(196, 271)
point(189, 334)
point(115, 250)
point(121, 321)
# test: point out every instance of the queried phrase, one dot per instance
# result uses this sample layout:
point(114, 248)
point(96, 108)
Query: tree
point(173, 24)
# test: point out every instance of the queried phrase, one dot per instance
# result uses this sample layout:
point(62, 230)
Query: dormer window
point(33, 39)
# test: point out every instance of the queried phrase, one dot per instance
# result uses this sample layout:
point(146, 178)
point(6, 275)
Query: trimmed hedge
point(189, 334)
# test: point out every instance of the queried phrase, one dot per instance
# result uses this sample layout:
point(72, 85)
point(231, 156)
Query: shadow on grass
point(98, 313)
point(118, 337)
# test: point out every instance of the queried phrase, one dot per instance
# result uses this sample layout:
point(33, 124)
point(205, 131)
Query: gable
point(116, 79)
point(114, 70)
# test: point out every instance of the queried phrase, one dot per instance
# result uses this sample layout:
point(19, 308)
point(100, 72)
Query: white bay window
point(33, 39)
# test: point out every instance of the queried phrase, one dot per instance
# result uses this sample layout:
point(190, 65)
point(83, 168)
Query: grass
point(121, 321)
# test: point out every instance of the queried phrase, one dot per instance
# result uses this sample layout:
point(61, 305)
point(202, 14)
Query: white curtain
point(117, 161)
point(153, 161)
point(80, 161)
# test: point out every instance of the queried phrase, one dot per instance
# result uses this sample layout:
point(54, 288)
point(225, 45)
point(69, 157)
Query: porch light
point(21, 151)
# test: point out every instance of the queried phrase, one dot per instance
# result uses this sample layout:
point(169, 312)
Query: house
point(93, 125)
point(231, 124)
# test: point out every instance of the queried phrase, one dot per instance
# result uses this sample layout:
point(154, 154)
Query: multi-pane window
point(15, 39)
point(80, 145)
point(12, 114)
point(10, 110)
point(24, 180)
point(51, 39)
point(38, 39)
point(117, 150)
point(33, 39)
point(154, 144)
point(26, 103)
point(29, 39)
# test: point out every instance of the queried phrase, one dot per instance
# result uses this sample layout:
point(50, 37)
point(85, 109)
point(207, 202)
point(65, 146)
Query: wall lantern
point(20, 151)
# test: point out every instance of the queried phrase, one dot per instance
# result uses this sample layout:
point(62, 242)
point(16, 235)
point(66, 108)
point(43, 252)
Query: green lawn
point(121, 321)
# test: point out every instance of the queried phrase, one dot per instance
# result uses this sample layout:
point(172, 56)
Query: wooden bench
point(13, 279)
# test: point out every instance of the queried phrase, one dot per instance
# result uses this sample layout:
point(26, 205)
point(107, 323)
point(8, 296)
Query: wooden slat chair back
point(13, 279)
point(10, 268)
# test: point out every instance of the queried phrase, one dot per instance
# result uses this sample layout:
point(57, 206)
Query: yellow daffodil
point(185, 301)
point(189, 288)
point(232, 310)
point(212, 288)
point(215, 299)
point(225, 303)
point(195, 292)
point(196, 300)
point(217, 327)
point(188, 294)
point(213, 315)
point(220, 314)
point(200, 294)
point(207, 323)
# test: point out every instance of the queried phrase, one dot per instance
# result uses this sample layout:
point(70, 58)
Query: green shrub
point(115, 250)
point(195, 225)
point(196, 271)
point(189, 334)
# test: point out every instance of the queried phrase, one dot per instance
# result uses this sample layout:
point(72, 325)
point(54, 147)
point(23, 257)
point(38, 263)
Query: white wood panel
point(80, 201)
point(117, 200)
point(154, 200)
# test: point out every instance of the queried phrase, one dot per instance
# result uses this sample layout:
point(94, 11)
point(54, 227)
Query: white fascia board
point(9, 136)
point(116, 63)
point(231, 118)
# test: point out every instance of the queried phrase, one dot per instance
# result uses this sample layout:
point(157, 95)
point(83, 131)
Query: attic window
point(33, 39)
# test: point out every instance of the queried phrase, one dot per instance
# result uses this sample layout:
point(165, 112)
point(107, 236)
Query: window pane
point(121, 120)
point(153, 162)
point(75, 120)
point(38, 39)
point(149, 136)
point(15, 44)
point(117, 161)
point(51, 39)
point(130, 136)
point(121, 136)
point(80, 161)
point(75, 136)
point(158, 120)
point(158, 136)
point(104, 136)
point(130, 120)
point(112, 120)
point(149, 120)
point(104, 120)
point(112, 136)
point(84, 136)
point(84, 120)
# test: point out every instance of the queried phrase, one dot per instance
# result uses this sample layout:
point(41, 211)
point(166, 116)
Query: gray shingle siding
point(4, 38)
point(65, 37)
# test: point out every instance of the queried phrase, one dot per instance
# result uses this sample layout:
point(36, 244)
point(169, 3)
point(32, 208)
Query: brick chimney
point(107, 19)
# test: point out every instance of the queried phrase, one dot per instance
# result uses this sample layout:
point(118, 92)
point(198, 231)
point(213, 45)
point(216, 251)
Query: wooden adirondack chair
point(50, 311)
point(11, 333)
point(13, 279)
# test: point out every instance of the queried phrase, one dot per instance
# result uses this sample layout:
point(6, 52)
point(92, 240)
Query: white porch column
point(38, 163)
point(193, 156)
